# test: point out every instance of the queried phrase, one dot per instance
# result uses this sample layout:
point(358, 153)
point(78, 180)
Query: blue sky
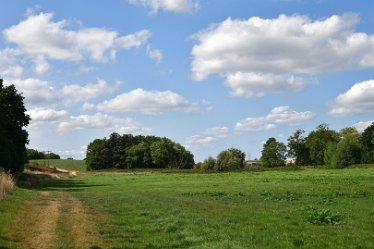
point(209, 74)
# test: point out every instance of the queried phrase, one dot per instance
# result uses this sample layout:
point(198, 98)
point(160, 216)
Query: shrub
point(6, 183)
point(318, 217)
point(230, 159)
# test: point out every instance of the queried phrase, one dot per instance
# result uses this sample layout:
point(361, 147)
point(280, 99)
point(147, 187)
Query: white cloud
point(178, 6)
point(146, 102)
point(76, 93)
point(46, 115)
point(39, 35)
point(277, 116)
point(36, 91)
point(259, 56)
point(198, 139)
point(359, 99)
point(362, 125)
point(87, 106)
point(210, 135)
point(101, 121)
point(155, 54)
point(8, 65)
point(41, 65)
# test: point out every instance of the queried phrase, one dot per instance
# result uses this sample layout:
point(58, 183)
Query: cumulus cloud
point(178, 6)
point(40, 37)
point(36, 91)
point(41, 65)
point(154, 54)
point(76, 93)
point(42, 115)
point(359, 99)
point(101, 121)
point(146, 102)
point(8, 65)
point(209, 136)
point(362, 125)
point(278, 116)
point(258, 56)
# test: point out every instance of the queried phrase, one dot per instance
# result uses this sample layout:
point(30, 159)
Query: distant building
point(252, 163)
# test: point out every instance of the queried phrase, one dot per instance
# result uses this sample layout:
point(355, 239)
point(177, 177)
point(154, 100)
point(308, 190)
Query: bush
point(230, 159)
point(208, 165)
point(6, 183)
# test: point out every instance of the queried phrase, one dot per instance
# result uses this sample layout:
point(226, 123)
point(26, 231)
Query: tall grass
point(6, 183)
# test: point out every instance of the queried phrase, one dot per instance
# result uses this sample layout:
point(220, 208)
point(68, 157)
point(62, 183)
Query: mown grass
point(269, 209)
point(77, 165)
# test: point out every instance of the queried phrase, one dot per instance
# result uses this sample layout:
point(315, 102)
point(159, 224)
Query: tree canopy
point(128, 151)
point(273, 153)
point(13, 138)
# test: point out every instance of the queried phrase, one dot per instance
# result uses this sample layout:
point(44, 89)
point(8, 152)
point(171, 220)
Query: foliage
point(367, 141)
point(320, 217)
point(229, 159)
point(128, 151)
point(37, 155)
point(345, 152)
point(297, 148)
point(273, 153)
point(317, 141)
point(13, 138)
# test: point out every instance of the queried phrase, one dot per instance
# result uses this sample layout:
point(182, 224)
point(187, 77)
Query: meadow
point(308, 208)
point(68, 164)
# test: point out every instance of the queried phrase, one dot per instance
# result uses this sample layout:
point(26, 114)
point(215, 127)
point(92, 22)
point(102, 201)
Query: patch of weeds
point(326, 216)
point(298, 242)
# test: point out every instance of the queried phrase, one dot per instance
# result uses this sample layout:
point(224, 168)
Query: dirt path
point(53, 220)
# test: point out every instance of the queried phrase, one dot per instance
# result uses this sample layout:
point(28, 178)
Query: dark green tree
point(273, 153)
point(13, 138)
point(97, 155)
point(297, 148)
point(139, 156)
point(317, 141)
point(367, 142)
point(230, 159)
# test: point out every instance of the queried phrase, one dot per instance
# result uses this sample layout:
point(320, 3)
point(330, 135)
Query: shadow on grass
point(69, 185)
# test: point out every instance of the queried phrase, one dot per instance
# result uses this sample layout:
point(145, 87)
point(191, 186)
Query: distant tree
point(345, 152)
point(317, 141)
point(230, 159)
point(139, 156)
point(367, 142)
point(297, 148)
point(51, 155)
point(34, 154)
point(207, 165)
point(97, 156)
point(13, 138)
point(273, 153)
point(183, 159)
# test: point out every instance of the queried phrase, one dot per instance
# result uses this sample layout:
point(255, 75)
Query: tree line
point(128, 151)
point(322, 146)
point(38, 155)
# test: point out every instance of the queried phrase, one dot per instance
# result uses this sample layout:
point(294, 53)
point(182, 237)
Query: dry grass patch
point(6, 183)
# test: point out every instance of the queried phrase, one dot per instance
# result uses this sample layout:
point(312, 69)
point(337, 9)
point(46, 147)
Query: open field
point(76, 165)
point(269, 209)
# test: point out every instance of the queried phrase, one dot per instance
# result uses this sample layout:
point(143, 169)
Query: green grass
point(269, 209)
point(77, 165)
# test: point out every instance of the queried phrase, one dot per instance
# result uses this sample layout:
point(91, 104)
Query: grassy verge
point(77, 165)
point(6, 183)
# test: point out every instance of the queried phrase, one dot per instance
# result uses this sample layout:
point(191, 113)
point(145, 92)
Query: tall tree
point(297, 148)
point(317, 141)
point(13, 138)
point(367, 142)
point(273, 153)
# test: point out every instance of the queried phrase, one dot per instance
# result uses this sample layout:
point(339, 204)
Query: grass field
point(269, 209)
point(77, 165)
